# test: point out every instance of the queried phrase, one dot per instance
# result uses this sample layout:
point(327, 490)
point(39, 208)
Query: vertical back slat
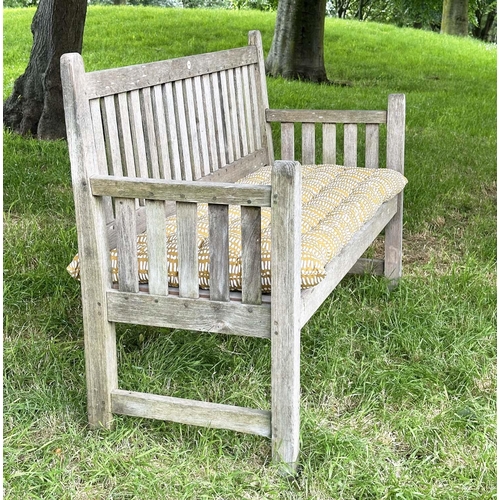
point(157, 247)
point(287, 141)
point(372, 145)
point(100, 149)
point(242, 121)
point(219, 252)
point(259, 133)
point(308, 144)
point(329, 143)
point(128, 276)
point(149, 134)
point(173, 140)
point(251, 255)
point(202, 126)
point(226, 118)
point(126, 136)
point(134, 106)
point(193, 130)
point(350, 144)
point(248, 109)
point(210, 116)
point(100, 146)
point(233, 108)
point(160, 124)
point(183, 132)
point(219, 123)
point(111, 134)
point(187, 250)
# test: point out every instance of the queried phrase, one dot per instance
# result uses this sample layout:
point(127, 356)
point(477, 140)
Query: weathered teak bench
point(150, 140)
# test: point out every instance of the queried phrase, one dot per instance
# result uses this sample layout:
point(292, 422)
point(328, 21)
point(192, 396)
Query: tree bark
point(455, 20)
point(297, 50)
point(35, 106)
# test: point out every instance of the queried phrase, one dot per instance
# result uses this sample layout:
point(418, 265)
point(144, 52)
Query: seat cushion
point(336, 202)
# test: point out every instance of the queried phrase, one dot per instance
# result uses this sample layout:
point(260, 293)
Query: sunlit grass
point(398, 390)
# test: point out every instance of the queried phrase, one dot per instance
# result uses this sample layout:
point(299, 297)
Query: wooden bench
point(150, 140)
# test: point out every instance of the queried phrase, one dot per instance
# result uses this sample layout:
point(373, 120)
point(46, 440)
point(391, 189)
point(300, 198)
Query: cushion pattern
point(336, 202)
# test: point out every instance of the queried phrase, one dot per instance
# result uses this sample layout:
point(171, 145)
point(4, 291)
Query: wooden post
point(285, 313)
point(99, 333)
point(395, 160)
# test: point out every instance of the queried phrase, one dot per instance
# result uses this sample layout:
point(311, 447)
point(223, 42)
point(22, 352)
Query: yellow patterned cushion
point(336, 202)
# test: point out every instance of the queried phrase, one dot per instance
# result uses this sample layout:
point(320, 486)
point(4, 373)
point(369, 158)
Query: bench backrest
point(180, 119)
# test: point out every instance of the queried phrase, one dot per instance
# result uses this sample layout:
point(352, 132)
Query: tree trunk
point(455, 19)
point(35, 105)
point(297, 47)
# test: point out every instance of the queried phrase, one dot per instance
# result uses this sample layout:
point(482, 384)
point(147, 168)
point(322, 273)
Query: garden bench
point(155, 141)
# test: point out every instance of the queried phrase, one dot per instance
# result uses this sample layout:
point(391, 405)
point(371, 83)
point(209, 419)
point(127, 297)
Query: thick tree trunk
point(35, 106)
point(455, 20)
point(297, 48)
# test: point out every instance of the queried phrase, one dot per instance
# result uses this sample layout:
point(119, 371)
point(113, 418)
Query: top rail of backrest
point(359, 134)
point(128, 78)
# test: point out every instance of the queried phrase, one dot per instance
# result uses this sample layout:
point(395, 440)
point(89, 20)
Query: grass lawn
point(398, 390)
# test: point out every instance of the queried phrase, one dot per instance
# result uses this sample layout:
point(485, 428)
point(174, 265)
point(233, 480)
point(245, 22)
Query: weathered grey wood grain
point(183, 135)
point(242, 119)
point(308, 144)
point(329, 143)
point(193, 191)
point(262, 100)
point(157, 247)
point(219, 126)
point(99, 333)
point(173, 139)
point(199, 97)
point(149, 134)
point(138, 139)
point(188, 411)
point(111, 136)
point(192, 132)
point(287, 141)
point(396, 113)
point(126, 79)
point(372, 146)
point(248, 105)
point(285, 312)
point(218, 217)
point(325, 116)
point(187, 249)
point(232, 318)
point(123, 118)
point(160, 126)
point(128, 276)
point(235, 134)
point(251, 292)
point(213, 160)
point(100, 151)
point(227, 118)
point(350, 145)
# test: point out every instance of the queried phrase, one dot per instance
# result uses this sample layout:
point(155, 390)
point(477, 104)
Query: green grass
point(398, 390)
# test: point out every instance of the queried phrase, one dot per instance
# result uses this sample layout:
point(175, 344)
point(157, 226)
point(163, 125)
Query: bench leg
point(285, 396)
point(285, 314)
point(100, 365)
point(394, 246)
